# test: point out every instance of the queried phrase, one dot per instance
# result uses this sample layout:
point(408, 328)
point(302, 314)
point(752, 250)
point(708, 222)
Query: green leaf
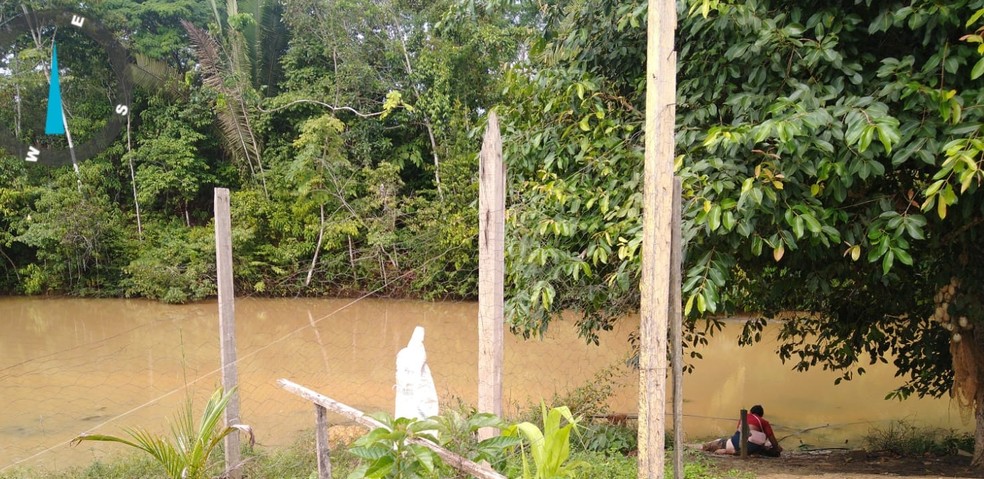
point(973, 18)
point(933, 188)
point(888, 135)
point(866, 136)
point(499, 443)
point(757, 245)
point(903, 256)
point(887, 261)
point(747, 185)
point(381, 467)
point(423, 455)
point(798, 227)
point(978, 69)
point(584, 123)
point(728, 220)
point(714, 218)
point(812, 223)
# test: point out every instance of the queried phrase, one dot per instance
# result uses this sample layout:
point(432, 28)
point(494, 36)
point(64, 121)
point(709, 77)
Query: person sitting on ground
point(761, 439)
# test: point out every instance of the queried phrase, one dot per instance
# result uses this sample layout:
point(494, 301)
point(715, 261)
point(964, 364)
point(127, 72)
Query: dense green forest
point(830, 153)
point(346, 130)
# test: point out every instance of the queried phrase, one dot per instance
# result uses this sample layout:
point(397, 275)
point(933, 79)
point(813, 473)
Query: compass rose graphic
point(86, 73)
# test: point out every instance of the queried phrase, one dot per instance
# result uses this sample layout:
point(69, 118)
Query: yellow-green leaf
point(747, 185)
point(714, 218)
point(978, 69)
point(583, 124)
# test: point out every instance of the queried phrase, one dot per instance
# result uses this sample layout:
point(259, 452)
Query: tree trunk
point(978, 460)
point(317, 248)
point(133, 178)
point(978, 405)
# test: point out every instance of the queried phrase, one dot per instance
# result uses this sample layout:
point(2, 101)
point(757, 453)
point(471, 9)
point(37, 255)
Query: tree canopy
point(830, 162)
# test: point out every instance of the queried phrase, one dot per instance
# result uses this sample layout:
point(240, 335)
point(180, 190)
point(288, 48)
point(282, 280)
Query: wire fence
point(69, 366)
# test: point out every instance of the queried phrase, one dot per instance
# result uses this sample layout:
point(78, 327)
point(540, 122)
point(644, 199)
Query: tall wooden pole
point(676, 327)
point(743, 444)
point(227, 325)
point(491, 270)
point(657, 212)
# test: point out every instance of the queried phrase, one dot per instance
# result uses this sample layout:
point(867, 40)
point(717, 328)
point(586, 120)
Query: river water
point(87, 365)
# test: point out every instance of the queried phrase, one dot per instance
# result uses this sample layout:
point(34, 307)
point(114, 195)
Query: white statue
point(416, 396)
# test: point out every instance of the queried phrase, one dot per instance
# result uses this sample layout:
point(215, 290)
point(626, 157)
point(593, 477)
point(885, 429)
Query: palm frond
point(219, 73)
point(186, 454)
point(208, 51)
point(153, 74)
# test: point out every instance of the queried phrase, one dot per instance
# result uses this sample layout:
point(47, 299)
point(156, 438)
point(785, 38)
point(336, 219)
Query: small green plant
point(551, 447)
point(611, 439)
point(186, 454)
point(458, 432)
point(390, 452)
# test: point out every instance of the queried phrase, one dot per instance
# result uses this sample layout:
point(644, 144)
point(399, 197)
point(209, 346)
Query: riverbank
point(844, 464)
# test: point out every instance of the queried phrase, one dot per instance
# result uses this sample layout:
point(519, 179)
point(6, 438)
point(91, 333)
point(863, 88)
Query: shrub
point(611, 439)
point(905, 439)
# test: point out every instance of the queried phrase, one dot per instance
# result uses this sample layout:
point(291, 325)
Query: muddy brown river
point(83, 365)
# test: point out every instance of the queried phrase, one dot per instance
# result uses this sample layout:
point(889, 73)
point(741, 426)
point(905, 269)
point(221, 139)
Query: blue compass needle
point(55, 121)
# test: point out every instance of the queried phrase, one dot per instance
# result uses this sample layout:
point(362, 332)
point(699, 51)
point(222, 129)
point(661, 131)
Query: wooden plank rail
point(458, 462)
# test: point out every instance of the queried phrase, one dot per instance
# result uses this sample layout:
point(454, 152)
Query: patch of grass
point(131, 466)
point(904, 439)
point(297, 461)
point(695, 466)
point(599, 464)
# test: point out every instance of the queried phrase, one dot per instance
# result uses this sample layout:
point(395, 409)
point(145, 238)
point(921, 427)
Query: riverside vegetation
point(830, 154)
point(565, 447)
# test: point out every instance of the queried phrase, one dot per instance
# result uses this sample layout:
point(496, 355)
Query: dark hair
point(757, 410)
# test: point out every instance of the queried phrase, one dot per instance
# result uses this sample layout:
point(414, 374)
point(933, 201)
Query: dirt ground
point(830, 464)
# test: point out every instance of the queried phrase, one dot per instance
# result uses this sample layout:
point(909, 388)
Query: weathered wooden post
point(744, 434)
point(321, 442)
point(227, 324)
point(491, 270)
point(657, 197)
point(676, 327)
